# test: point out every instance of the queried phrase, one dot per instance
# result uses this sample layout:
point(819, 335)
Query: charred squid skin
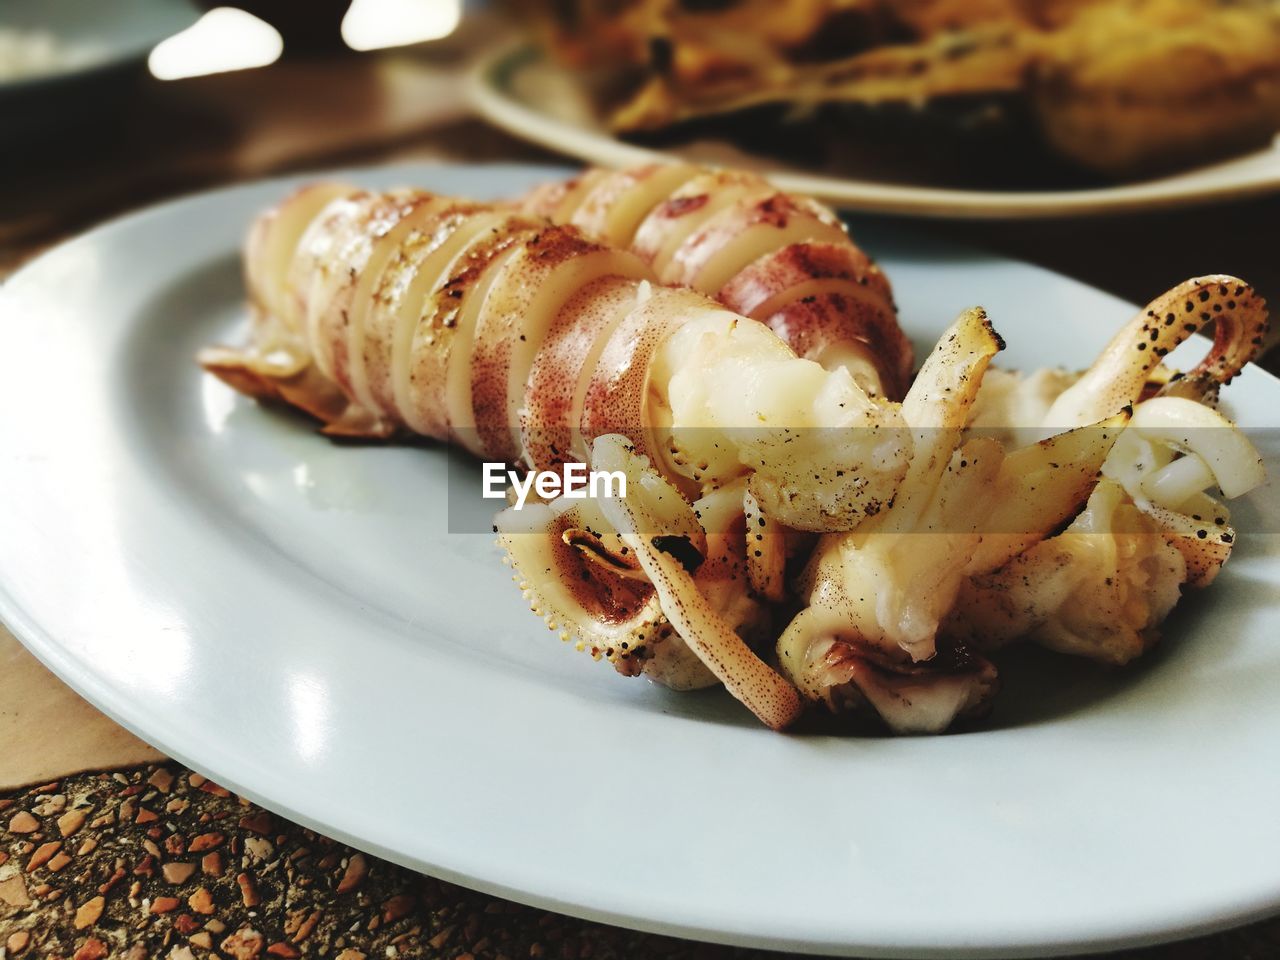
point(558, 199)
point(439, 335)
point(356, 228)
point(272, 244)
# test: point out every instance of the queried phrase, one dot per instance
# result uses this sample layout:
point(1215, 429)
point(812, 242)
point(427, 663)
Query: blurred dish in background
point(62, 61)
point(991, 95)
point(926, 158)
point(1120, 88)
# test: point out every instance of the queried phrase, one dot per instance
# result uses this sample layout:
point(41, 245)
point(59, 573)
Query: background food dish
point(520, 90)
point(1004, 90)
point(215, 564)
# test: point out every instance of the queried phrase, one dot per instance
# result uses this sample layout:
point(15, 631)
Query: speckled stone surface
point(158, 862)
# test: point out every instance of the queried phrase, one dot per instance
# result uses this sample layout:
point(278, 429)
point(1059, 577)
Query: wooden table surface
point(164, 901)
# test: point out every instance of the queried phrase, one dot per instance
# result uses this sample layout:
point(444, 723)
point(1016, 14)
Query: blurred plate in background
point(522, 92)
point(65, 60)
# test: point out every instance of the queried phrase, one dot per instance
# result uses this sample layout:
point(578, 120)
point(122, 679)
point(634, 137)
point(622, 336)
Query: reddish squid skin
point(498, 325)
point(858, 304)
point(550, 417)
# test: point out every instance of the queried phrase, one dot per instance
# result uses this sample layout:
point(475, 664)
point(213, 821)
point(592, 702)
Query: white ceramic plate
point(291, 617)
point(520, 91)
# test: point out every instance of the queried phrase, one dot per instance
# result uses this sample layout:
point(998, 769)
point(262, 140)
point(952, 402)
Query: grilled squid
point(903, 609)
point(784, 260)
point(1102, 587)
point(532, 343)
point(730, 353)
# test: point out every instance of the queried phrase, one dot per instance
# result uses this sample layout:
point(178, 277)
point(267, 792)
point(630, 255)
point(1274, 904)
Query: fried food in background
point(1118, 88)
point(1161, 83)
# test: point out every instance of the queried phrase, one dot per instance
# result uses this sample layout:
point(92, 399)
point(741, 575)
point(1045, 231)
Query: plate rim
point(172, 17)
point(490, 97)
point(55, 656)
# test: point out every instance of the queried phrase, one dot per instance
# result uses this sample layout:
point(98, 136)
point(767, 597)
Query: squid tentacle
point(1121, 372)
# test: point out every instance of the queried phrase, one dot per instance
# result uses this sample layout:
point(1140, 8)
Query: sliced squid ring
point(602, 611)
point(1196, 429)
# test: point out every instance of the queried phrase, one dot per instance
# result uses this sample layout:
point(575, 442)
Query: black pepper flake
point(682, 549)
